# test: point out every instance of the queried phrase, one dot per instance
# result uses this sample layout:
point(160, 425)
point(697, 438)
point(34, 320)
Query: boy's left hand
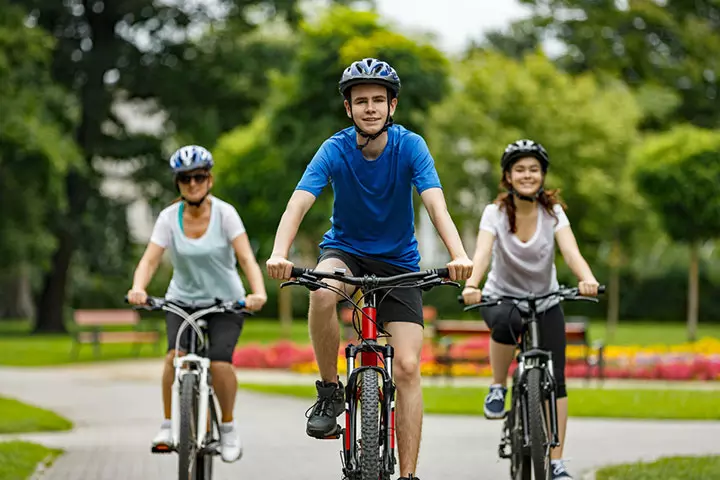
point(460, 268)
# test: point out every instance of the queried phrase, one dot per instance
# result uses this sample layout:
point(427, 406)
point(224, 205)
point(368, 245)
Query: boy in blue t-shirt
point(372, 167)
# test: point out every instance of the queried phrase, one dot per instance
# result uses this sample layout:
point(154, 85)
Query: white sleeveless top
point(519, 268)
point(203, 268)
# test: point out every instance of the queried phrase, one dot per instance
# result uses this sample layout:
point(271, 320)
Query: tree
point(34, 154)
point(587, 130)
point(121, 52)
point(678, 172)
point(671, 44)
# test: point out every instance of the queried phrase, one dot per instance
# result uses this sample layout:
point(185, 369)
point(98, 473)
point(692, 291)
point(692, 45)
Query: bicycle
point(526, 440)
point(195, 437)
point(371, 455)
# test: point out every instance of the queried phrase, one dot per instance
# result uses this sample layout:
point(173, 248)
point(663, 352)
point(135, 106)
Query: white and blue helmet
point(191, 157)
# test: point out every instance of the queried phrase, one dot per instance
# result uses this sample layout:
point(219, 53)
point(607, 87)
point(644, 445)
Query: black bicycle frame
point(532, 356)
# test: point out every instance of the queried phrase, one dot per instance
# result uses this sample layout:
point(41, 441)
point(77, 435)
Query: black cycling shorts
point(398, 304)
point(223, 332)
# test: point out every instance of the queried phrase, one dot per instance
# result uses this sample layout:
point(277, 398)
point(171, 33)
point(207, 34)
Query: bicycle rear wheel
point(539, 438)
point(187, 448)
point(370, 426)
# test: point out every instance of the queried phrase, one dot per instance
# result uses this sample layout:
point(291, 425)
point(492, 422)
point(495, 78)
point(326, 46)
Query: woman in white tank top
point(206, 239)
point(518, 233)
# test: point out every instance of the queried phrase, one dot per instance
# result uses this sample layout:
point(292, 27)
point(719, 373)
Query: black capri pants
point(505, 324)
point(223, 332)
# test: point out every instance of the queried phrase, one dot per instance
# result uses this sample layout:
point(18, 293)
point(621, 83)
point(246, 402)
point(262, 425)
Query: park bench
point(92, 327)
point(445, 332)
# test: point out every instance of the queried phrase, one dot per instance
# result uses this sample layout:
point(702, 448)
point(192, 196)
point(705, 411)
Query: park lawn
point(668, 468)
point(19, 348)
point(18, 417)
point(18, 460)
point(584, 402)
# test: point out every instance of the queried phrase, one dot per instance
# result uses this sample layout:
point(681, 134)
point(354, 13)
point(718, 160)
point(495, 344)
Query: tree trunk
point(613, 312)
point(693, 291)
point(285, 311)
point(17, 294)
point(50, 307)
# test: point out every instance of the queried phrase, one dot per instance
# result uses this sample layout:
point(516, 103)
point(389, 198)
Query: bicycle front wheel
point(370, 426)
point(539, 438)
point(187, 449)
point(520, 462)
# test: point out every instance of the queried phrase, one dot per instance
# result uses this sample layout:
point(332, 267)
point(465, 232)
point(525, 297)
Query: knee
point(406, 369)
point(323, 299)
point(506, 333)
point(170, 356)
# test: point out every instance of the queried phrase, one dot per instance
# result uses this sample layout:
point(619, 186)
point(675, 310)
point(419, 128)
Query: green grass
point(18, 460)
point(18, 417)
point(669, 468)
point(19, 348)
point(648, 332)
point(585, 402)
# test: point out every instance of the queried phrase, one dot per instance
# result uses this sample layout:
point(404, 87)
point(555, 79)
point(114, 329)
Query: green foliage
point(586, 129)
point(678, 172)
point(666, 468)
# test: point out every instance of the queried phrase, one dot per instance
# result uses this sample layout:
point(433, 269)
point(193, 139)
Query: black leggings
point(505, 323)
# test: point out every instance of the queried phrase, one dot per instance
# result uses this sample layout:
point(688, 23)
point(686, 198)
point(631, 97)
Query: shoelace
point(495, 394)
point(322, 406)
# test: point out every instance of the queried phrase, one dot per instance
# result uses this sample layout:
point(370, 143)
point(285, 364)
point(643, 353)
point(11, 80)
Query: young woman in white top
point(518, 232)
point(204, 236)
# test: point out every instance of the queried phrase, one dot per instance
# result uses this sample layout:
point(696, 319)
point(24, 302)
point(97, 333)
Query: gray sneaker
point(494, 407)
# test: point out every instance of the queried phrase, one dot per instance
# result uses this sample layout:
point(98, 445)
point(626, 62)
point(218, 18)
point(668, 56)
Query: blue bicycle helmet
point(190, 157)
point(370, 70)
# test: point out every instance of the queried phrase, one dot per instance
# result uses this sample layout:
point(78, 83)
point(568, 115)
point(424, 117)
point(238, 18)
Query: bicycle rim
point(370, 426)
point(539, 438)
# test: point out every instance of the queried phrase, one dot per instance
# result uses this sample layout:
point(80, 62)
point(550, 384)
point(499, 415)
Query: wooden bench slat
point(118, 337)
point(106, 317)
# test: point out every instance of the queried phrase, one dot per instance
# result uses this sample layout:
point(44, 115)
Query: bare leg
point(168, 377)
point(225, 384)
point(501, 357)
point(407, 340)
point(323, 322)
point(562, 414)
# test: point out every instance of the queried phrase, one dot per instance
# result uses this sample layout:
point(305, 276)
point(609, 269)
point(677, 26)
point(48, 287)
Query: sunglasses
point(198, 177)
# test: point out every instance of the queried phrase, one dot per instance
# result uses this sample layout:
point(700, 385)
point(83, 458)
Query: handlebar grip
point(297, 272)
point(443, 273)
point(601, 289)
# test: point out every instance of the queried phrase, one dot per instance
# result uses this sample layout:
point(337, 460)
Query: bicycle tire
point(539, 438)
point(520, 461)
point(204, 467)
point(187, 448)
point(369, 426)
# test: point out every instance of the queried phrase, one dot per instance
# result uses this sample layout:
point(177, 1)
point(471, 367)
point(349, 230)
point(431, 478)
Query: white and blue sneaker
point(559, 472)
point(494, 407)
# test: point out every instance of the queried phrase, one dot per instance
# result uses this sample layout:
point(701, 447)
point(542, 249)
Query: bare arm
point(460, 267)
point(297, 207)
point(481, 258)
point(434, 202)
point(249, 264)
point(147, 266)
point(571, 253)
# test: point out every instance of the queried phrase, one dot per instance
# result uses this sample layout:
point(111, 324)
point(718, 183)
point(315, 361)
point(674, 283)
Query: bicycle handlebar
point(562, 293)
point(157, 303)
point(309, 278)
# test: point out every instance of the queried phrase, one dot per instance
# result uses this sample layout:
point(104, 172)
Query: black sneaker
point(329, 405)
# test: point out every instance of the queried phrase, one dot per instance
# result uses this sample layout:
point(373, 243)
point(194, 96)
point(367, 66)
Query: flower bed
point(687, 361)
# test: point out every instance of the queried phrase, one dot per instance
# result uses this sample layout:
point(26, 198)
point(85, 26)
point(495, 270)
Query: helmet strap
point(527, 198)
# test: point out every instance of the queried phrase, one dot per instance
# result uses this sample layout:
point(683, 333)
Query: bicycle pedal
point(333, 436)
point(162, 449)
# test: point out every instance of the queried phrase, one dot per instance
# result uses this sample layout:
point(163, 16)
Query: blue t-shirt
point(373, 210)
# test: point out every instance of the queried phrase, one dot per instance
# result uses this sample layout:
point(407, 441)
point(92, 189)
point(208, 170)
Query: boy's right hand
point(137, 296)
point(471, 295)
point(279, 267)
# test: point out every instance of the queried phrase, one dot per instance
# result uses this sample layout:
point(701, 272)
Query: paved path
point(116, 412)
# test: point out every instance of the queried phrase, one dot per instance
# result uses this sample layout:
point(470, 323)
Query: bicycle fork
point(203, 385)
point(542, 360)
point(349, 456)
